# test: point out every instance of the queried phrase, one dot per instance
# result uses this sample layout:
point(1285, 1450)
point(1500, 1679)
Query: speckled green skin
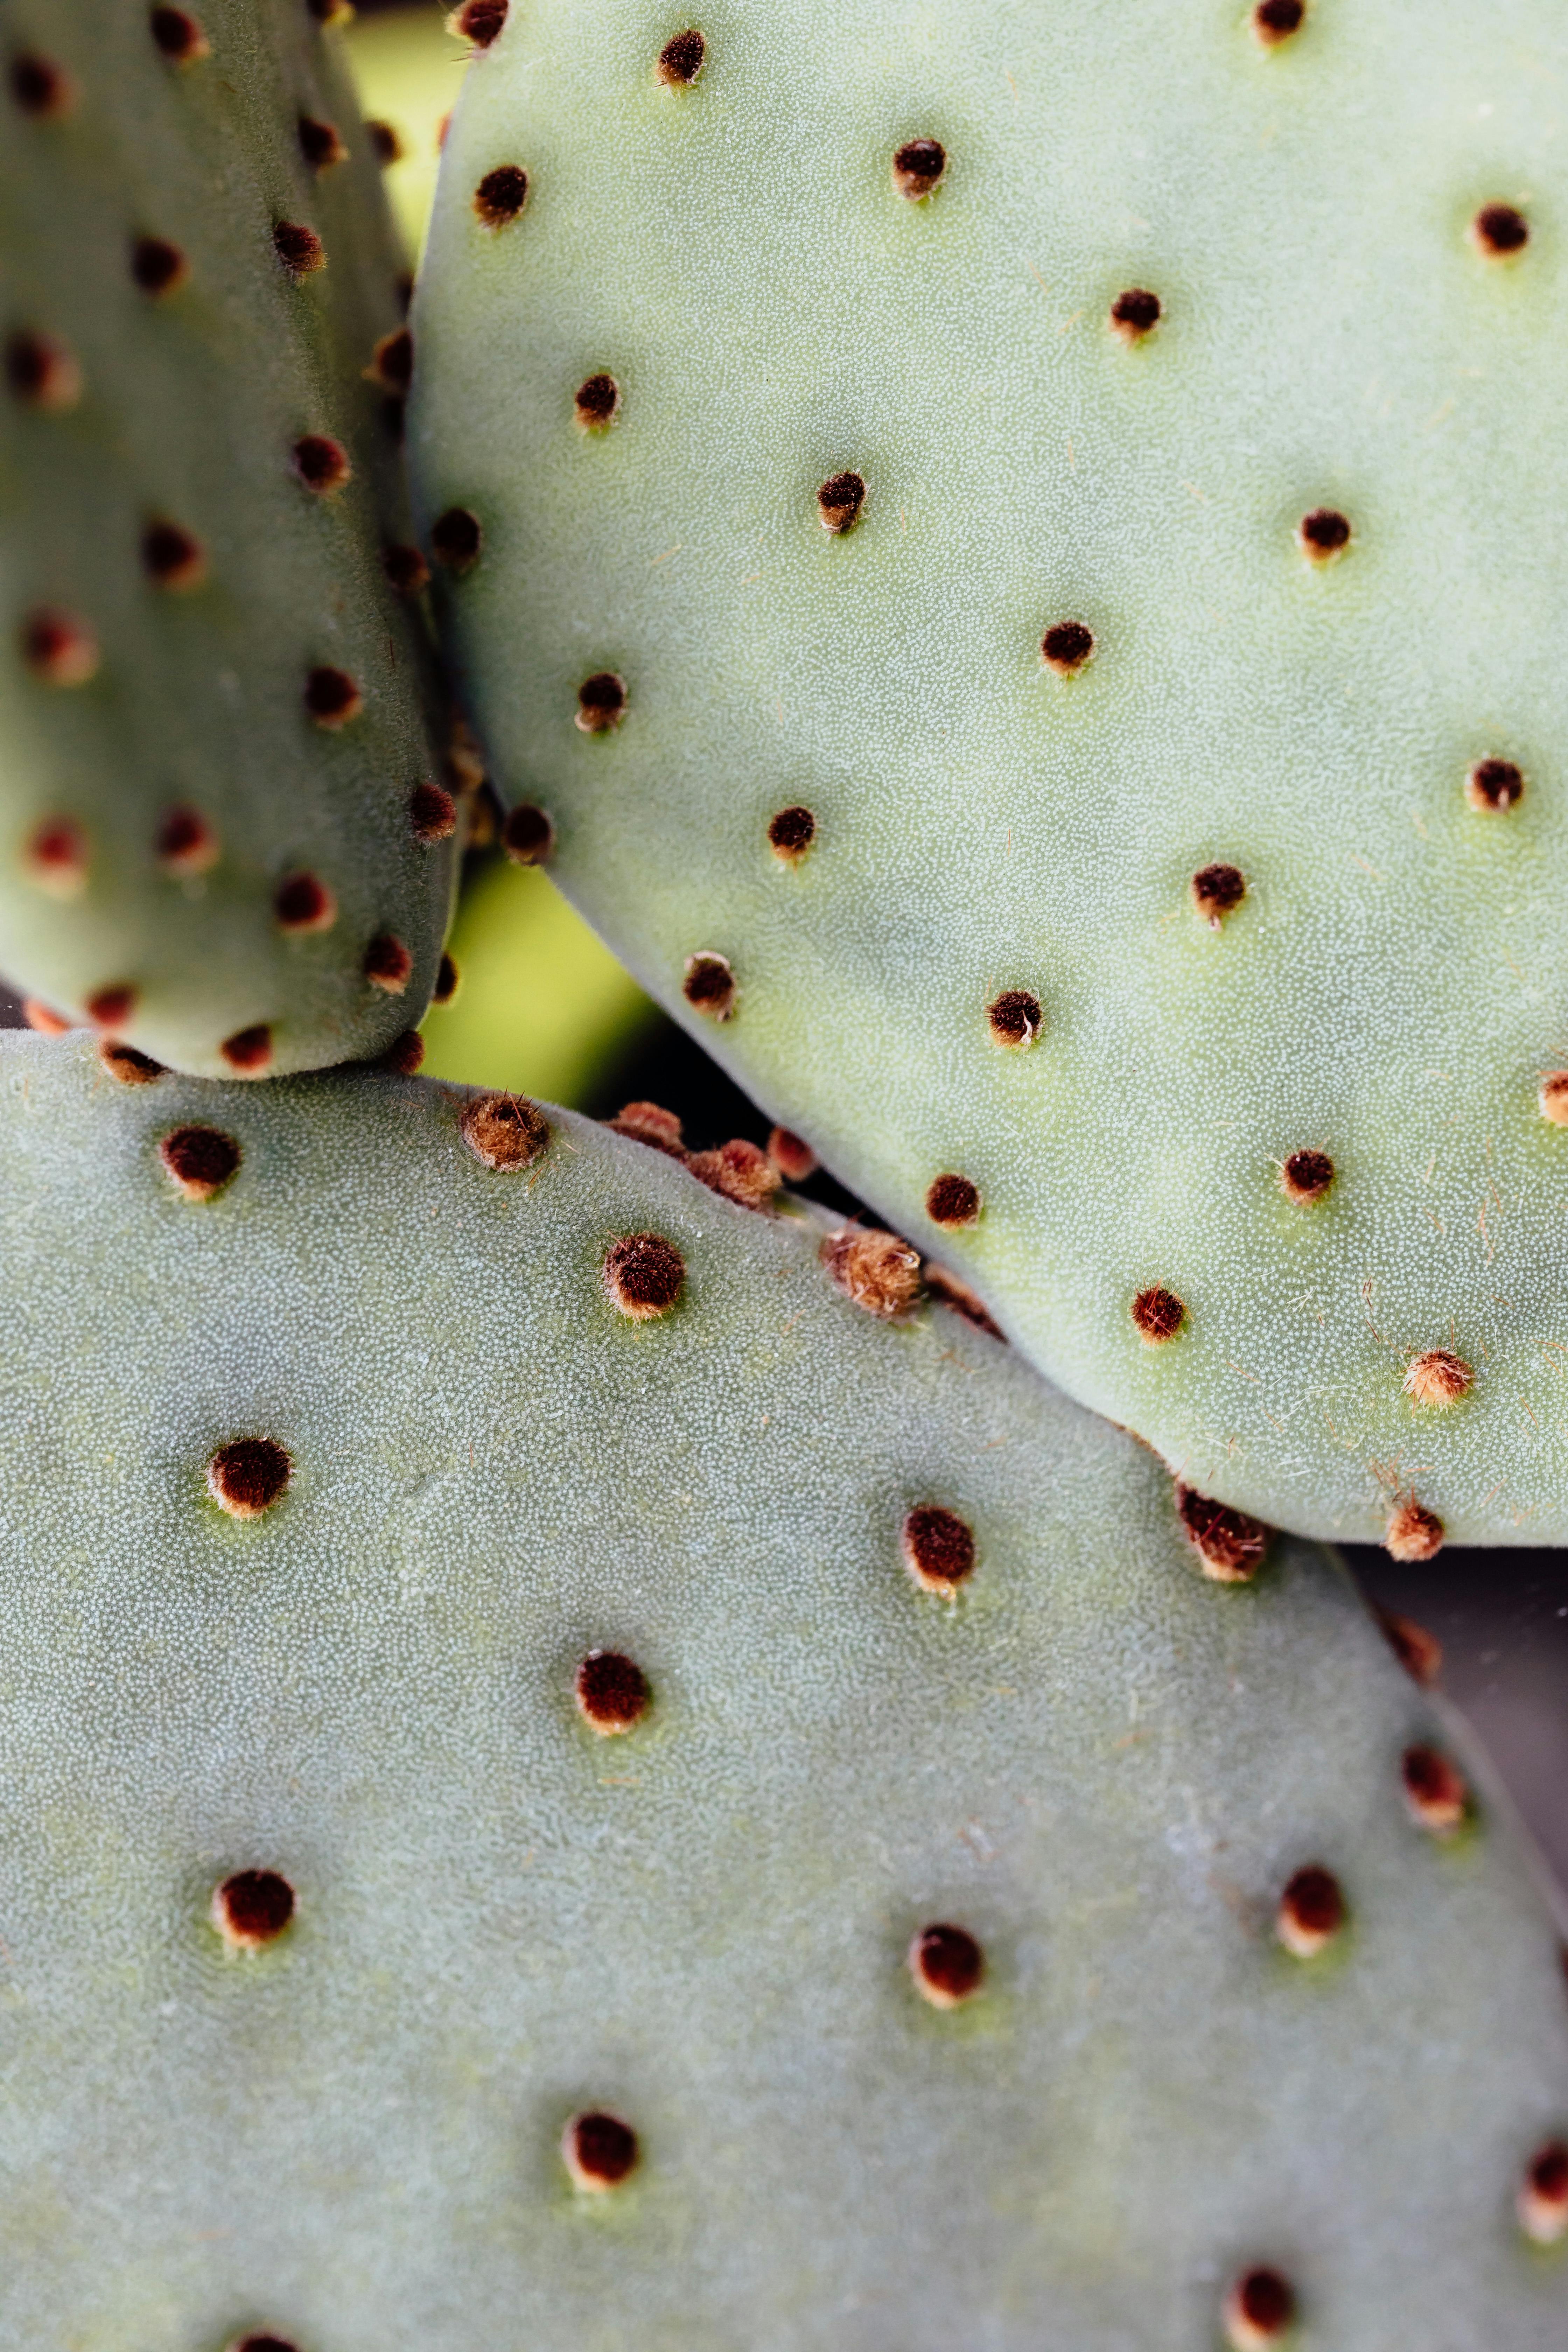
point(1102, 1765)
point(191, 405)
point(1390, 991)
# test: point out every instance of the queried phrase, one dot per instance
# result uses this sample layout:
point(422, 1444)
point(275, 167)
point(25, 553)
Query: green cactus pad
point(332, 1471)
point(862, 475)
point(213, 706)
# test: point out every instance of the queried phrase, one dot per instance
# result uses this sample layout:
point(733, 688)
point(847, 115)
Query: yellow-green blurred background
point(542, 1007)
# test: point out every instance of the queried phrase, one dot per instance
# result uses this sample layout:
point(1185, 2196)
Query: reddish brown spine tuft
point(709, 985)
point(1324, 534)
point(1230, 1546)
point(599, 2150)
point(596, 403)
point(1553, 1097)
point(1135, 313)
point(480, 21)
point(1157, 1315)
point(681, 60)
point(794, 1160)
point(839, 501)
point(299, 250)
point(457, 539)
point(57, 857)
point(947, 1965)
point(1437, 1378)
point(880, 1273)
point(1274, 21)
point(939, 1550)
point(302, 902)
point(739, 1170)
point(321, 464)
point(403, 1057)
point(186, 843)
point(1418, 1652)
point(172, 557)
point(252, 1908)
point(1259, 2311)
point(178, 36)
point(332, 697)
point(392, 362)
point(386, 142)
point(1543, 2201)
point(505, 1131)
point(248, 1052)
point(650, 1123)
point(952, 1202)
point(39, 88)
point(249, 1476)
point(131, 1067)
point(388, 964)
point(42, 373)
point(1435, 1791)
point(405, 569)
point(44, 1018)
point(1015, 1017)
point(501, 195)
point(1217, 891)
point(1066, 648)
point(919, 168)
point(1312, 1912)
point(199, 1161)
point(527, 834)
point(1306, 1176)
point(1494, 786)
point(157, 267)
point(59, 648)
point(1499, 232)
point(111, 1007)
point(321, 143)
point(432, 813)
point(791, 833)
point(447, 981)
point(612, 1691)
point(1413, 1532)
point(601, 702)
point(643, 1275)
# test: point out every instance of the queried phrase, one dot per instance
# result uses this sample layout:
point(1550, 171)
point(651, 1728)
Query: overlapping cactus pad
point(222, 835)
point(561, 1784)
point(1018, 549)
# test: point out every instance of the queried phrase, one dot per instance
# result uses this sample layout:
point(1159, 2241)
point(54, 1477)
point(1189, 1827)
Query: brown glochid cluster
point(177, 36)
point(1066, 648)
point(300, 250)
point(839, 501)
point(172, 557)
point(938, 1548)
point(56, 856)
point(596, 403)
point(1439, 1378)
point(302, 902)
point(59, 648)
point(332, 697)
point(432, 813)
point(392, 362)
point(599, 2151)
point(321, 463)
point(1015, 1017)
point(739, 1170)
point(612, 1691)
point(601, 702)
point(321, 143)
point(248, 1052)
point(405, 567)
point(500, 195)
point(681, 60)
point(1230, 1545)
point(457, 539)
point(504, 1132)
point(791, 831)
point(795, 1158)
point(1412, 1531)
point(1259, 2310)
point(1499, 231)
point(1543, 2202)
point(650, 1123)
point(947, 1964)
point(952, 1202)
point(111, 1007)
point(1135, 313)
point(643, 1275)
point(42, 373)
point(1553, 1097)
point(1494, 786)
point(1216, 891)
point(186, 843)
point(709, 985)
point(384, 142)
point(199, 1161)
point(128, 1063)
point(1274, 21)
point(1312, 1912)
point(919, 168)
point(480, 21)
point(1306, 1176)
point(40, 88)
point(1418, 1652)
point(1157, 1315)
point(252, 1908)
point(1324, 534)
point(1435, 1789)
point(877, 1271)
point(403, 1056)
point(447, 981)
point(527, 834)
point(249, 1476)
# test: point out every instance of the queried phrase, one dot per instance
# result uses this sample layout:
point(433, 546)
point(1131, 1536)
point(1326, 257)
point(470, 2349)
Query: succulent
point(563, 1783)
point(1014, 555)
point(223, 835)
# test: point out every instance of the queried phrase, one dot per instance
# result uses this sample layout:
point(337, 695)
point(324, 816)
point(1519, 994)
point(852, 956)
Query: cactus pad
point(221, 835)
point(1020, 556)
point(561, 1784)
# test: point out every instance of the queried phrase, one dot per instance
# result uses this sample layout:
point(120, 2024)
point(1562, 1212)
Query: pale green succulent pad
point(1353, 238)
point(215, 709)
point(1099, 1766)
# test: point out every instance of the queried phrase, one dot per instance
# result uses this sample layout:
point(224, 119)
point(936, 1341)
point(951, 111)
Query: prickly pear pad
point(1086, 594)
point(501, 1848)
point(221, 833)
